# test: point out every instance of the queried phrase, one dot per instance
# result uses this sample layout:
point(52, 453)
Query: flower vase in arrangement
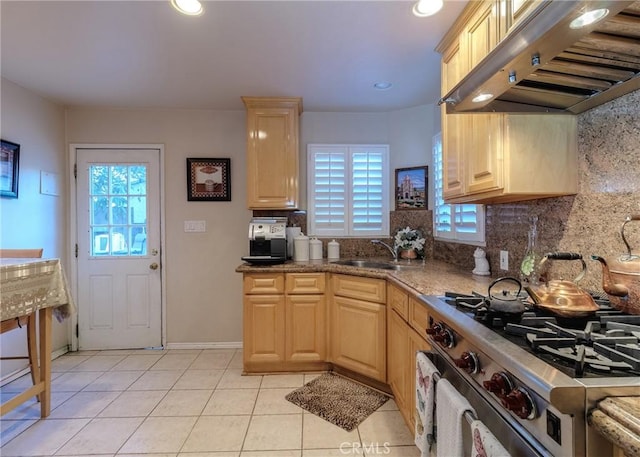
point(409, 243)
point(408, 254)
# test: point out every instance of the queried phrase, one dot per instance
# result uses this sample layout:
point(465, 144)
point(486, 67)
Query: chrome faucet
point(393, 251)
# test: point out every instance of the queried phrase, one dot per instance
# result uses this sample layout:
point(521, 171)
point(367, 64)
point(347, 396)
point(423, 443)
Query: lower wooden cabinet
point(284, 322)
point(358, 336)
point(305, 329)
point(264, 329)
point(403, 344)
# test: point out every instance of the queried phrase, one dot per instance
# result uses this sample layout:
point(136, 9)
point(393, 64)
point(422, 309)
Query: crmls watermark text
point(355, 448)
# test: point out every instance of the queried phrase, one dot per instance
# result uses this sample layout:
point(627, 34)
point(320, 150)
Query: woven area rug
point(338, 400)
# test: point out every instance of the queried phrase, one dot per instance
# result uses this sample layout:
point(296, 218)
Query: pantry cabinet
point(272, 152)
point(358, 325)
point(284, 322)
point(498, 157)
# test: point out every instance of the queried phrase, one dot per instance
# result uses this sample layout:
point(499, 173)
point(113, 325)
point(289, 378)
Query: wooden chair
point(21, 253)
point(28, 320)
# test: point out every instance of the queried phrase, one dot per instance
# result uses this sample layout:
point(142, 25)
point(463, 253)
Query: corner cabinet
point(272, 152)
point(358, 325)
point(497, 157)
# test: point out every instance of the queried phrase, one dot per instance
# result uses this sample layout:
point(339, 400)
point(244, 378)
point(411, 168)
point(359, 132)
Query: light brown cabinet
point(493, 158)
point(358, 325)
point(272, 152)
point(405, 338)
point(284, 322)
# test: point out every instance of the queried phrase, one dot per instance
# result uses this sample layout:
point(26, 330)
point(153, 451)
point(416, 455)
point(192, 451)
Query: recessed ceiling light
point(188, 7)
point(482, 98)
point(424, 8)
point(383, 85)
point(588, 18)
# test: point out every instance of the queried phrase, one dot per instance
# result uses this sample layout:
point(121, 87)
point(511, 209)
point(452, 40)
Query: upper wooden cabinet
point(497, 157)
point(272, 152)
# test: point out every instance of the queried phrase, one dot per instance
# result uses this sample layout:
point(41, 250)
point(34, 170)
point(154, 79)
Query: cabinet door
point(398, 368)
point(416, 343)
point(305, 328)
point(263, 328)
point(484, 155)
point(398, 300)
point(454, 66)
point(272, 154)
point(358, 337)
point(481, 34)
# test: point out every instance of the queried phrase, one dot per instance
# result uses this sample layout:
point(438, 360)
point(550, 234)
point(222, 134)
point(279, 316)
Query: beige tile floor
point(186, 403)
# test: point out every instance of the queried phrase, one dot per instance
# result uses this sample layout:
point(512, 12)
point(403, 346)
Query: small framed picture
point(9, 162)
point(208, 179)
point(411, 188)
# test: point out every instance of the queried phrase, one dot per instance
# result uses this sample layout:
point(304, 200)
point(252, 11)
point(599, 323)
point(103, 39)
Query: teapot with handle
point(562, 297)
point(621, 276)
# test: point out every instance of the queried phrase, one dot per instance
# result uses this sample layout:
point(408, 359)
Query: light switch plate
point(504, 260)
point(195, 226)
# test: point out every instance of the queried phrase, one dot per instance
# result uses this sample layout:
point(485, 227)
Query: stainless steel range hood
point(544, 65)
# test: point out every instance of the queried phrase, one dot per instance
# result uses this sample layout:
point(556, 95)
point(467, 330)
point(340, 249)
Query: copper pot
point(561, 297)
point(621, 276)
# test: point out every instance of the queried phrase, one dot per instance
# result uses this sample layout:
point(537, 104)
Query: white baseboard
point(222, 345)
point(19, 373)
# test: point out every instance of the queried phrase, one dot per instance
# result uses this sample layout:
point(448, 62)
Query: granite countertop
point(618, 420)
point(431, 278)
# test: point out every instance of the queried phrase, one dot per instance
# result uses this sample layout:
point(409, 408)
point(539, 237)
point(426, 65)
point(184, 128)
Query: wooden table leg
point(44, 323)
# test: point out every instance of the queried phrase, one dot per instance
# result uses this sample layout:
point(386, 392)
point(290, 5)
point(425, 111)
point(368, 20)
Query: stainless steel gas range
point(531, 386)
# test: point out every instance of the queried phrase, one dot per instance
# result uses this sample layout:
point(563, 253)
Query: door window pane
point(118, 219)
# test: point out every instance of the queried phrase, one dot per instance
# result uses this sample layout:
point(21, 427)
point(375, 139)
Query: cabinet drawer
point(263, 283)
point(305, 283)
point(418, 316)
point(399, 301)
point(367, 289)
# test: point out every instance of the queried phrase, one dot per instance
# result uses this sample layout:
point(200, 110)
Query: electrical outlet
point(504, 260)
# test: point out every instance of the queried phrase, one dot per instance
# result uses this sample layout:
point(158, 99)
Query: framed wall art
point(208, 179)
point(411, 188)
point(9, 162)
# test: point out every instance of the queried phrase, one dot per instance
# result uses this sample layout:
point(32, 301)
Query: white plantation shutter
point(462, 222)
point(327, 190)
point(347, 190)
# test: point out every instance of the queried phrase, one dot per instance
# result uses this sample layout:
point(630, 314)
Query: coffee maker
point(267, 240)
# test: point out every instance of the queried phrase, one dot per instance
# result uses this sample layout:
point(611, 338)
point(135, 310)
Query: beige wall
point(204, 293)
point(33, 219)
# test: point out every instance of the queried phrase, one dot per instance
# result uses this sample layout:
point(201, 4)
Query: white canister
point(315, 249)
point(291, 232)
point(301, 248)
point(333, 250)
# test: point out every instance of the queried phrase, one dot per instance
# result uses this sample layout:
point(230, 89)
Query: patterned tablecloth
point(27, 285)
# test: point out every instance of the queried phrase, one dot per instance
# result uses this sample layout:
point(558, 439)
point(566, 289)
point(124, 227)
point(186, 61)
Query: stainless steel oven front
point(511, 434)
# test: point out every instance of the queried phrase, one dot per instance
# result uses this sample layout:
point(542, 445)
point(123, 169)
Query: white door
point(118, 223)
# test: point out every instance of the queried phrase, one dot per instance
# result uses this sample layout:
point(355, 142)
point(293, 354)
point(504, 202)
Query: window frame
point(347, 230)
point(476, 238)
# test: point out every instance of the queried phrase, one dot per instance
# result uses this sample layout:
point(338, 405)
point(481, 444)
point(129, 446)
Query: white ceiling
point(145, 54)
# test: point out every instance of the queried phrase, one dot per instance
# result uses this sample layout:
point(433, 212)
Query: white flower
point(408, 238)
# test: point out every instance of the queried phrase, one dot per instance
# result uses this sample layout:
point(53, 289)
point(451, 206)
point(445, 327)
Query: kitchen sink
point(375, 264)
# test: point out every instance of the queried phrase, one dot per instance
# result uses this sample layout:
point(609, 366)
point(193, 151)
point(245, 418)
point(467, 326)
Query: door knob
point(153, 266)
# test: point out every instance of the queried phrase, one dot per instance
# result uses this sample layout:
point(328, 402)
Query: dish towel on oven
point(485, 444)
point(425, 397)
point(450, 407)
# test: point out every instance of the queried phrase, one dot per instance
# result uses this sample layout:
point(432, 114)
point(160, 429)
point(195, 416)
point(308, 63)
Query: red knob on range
point(519, 402)
point(435, 329)
point(468, 361)
point(499, 384)
point(445, 338)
